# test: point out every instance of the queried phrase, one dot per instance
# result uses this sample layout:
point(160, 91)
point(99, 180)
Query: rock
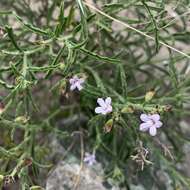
point(184, 165)
point(164, 179)
point(137, 187)
point(66, 174)
point(57, 151)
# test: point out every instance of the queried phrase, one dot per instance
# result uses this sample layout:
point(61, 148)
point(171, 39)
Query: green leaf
point(80, 4)
point(61, 21)
point(33, 28)
point(12, 37)
point(56, 60)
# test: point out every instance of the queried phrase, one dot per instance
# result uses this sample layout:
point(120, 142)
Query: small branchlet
point(166, 149)
point(141, 156)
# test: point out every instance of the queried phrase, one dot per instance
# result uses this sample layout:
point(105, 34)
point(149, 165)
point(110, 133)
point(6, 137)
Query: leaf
point(61, 21)
point(123, 80)
point(99, 82)
point(99, 57)
point(55, 61)
point(83, 20)
point(12, 38)
point(80, 4)
point(33, 28)
point(154, 24)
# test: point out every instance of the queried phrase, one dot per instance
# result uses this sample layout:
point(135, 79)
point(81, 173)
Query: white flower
point(105, 106)
point(151, 123)
point(76, 83)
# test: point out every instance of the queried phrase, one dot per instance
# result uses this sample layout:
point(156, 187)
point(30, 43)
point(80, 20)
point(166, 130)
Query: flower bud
point(108, 126)
point(149, 95)
point(22, 119)
point(62, 66)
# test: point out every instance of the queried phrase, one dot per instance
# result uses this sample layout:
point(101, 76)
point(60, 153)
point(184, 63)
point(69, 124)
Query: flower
point(90, 159)
point(76, 83)
point(151, 123)
point(105, 106)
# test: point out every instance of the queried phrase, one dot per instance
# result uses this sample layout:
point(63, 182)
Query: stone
point(66, 175)
point(67, 172)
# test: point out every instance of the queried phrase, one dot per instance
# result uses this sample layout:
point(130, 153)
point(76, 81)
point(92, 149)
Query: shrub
point(119, 68)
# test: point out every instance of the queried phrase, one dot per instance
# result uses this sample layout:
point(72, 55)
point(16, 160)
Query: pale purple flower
point(90, 159)
point(76, 83)
point(151, 123)
point(104, 106)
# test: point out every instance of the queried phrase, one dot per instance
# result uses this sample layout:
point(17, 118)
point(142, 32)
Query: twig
point(81, 163)
point(141, 156)
point(166, 149)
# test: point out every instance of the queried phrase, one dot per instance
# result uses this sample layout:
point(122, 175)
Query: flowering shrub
point(59, 59)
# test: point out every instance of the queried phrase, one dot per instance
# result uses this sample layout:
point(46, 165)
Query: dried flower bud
point(17, 80)
point(27, 162)
point(7, 180)
point(108, 126)
point(168, 108)
point(149, 95)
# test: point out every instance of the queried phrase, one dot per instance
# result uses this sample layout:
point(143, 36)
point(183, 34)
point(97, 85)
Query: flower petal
point(155, 117)
point(108, 101)
point(144, 126)
point(144, 117)
point(87, 159)
point(72, 87)
point(81, 80)
point(99, 110)
point(90, 159)
point(101, 102)
point(158, 124)
point(79, 87)
point(152, 131)
point(109, 109)
point(71, 81)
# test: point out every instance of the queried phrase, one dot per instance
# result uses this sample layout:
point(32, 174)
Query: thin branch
point(76, 184)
